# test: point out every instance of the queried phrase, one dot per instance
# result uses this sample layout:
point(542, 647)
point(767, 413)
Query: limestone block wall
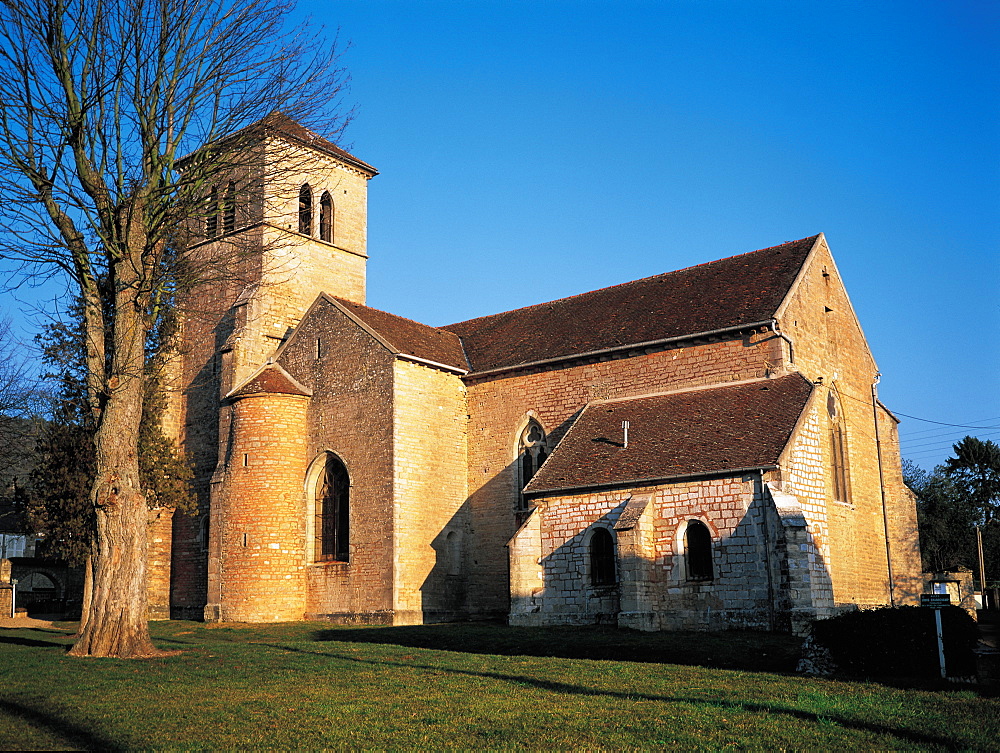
point(257, 536)
point(549, 558)
point(351, 415)
point(498, 406)
point(830, 348)
point(431, 526)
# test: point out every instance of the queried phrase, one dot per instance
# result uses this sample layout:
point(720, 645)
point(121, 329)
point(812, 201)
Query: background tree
point(952, 501)
point(99, 103)
point(20, 401)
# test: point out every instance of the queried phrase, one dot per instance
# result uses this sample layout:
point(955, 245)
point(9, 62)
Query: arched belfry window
point(531, 453)
point(229, 208)
point(212, 213)
point(332, 505)
point(838, 450)
point(603, 570)
point(326, 218)
point(698, 551)
point(305, 209)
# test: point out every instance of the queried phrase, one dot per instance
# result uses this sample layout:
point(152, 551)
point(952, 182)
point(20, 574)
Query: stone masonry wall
point(257, 529)
point(431, 526)
point(350, 414)
point(498, 406)
point(657, 593)
point(830, 348)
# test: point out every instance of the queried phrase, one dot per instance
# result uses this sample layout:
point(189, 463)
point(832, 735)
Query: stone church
point(703, 448)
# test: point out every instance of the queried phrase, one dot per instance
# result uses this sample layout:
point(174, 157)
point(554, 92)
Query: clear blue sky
point(533, 150)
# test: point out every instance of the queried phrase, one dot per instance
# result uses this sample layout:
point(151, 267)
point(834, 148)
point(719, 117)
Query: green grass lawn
point(305, 685)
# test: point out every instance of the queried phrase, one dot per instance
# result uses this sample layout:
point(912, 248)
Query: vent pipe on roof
point(625, 425)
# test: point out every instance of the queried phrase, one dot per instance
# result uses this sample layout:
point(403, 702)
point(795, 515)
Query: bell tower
point(287, 223)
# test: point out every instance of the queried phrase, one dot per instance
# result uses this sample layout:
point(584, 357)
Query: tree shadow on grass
point(773, 709)
point(20, 640)
point(744, 650)
point(70, 733)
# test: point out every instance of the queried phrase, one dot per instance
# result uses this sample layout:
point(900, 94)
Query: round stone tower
point(260, 526)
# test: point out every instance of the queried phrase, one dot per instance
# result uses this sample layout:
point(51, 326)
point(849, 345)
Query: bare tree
point(20, 402)
point(100, 101)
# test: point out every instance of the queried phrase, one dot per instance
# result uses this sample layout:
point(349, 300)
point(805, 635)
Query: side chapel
point(703, 448)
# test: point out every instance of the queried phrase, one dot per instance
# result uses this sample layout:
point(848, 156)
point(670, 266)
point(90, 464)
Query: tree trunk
point(88, 593)
point(119, 624)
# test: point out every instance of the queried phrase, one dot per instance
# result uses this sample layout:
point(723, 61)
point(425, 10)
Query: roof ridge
point(698, 388)
point(397, 316)
point(631, 282)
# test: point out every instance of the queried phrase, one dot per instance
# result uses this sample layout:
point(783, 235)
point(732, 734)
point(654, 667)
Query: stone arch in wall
point(530, 449)
point(700, 572)
point(328, 509)
point(601, 557)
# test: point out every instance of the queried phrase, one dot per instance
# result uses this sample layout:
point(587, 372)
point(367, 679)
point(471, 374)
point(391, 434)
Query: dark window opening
point(212, 213)
point(305, 210)
point(229, 209)
point(698, 551)
point(326, 218)
point(332, 512)
point(602, 558)
point(531, 454)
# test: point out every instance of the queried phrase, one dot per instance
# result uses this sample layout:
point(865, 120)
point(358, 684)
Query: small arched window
point(212, 213)
point(229, 208)
point(603, 571)
point(305, 209)
point(698, 551)
point(326, 218)
point(532, 451)
point(332, 505)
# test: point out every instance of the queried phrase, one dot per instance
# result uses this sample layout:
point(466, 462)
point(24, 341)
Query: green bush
point(899, 641)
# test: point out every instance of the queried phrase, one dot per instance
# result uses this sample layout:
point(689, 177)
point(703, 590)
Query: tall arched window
point(838, 450)
point(531, 453)
point(305, 209)
point(698, 551)
point(212, 213)
point(603, 571)
point(326, 218)
point(229, 208)
point(333, 489)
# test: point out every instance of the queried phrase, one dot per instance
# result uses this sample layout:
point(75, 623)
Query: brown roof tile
point(411, 338)
point(699, 432)
point(273, 380)
point(727, 293)
point(284, 125)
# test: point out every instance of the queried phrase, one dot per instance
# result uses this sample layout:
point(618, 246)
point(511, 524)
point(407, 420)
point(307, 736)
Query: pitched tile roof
point(411, 338)
point(721, 294)
point(270, 380)
point(692, 433)
point(284, 125)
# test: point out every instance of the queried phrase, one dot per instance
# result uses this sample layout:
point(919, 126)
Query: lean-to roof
point(682, 434)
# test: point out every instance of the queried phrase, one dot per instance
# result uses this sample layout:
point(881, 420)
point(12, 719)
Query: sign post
point(936, 602)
